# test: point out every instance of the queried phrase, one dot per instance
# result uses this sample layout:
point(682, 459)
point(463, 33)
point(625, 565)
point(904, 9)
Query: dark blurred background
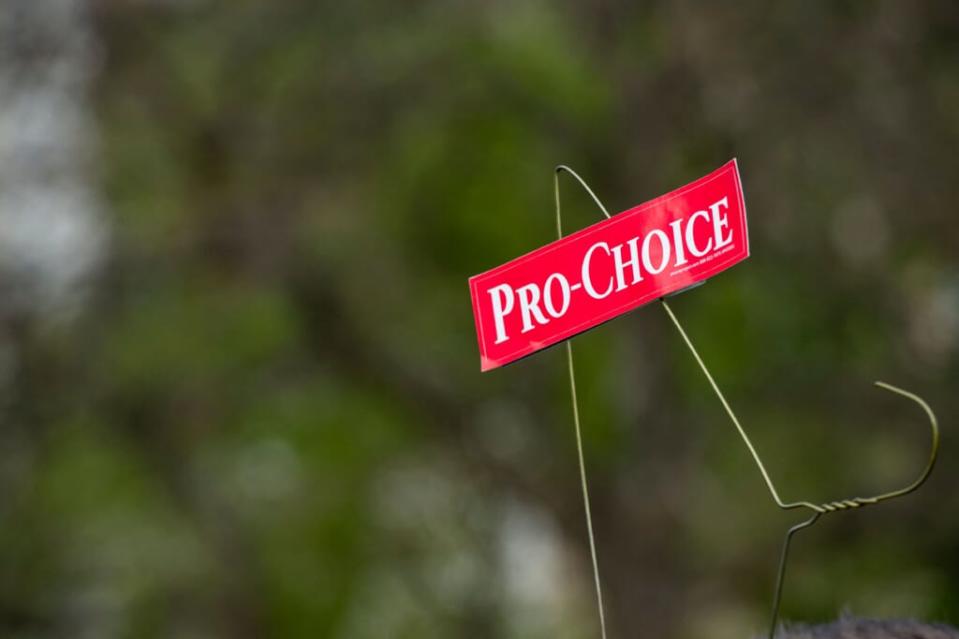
point(239, 382)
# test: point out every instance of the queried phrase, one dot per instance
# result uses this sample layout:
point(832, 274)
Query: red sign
point(609, 268)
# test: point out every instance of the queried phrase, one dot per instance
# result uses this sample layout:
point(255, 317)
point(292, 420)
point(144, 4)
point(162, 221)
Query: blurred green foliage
point(268, 420)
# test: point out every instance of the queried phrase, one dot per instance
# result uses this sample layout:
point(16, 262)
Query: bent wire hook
point(818, 510)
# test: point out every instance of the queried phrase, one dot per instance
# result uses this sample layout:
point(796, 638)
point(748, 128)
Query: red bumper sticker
point(591, 276)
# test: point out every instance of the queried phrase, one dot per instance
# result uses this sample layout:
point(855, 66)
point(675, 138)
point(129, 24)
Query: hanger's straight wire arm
point(735, 420)
point(576, 424)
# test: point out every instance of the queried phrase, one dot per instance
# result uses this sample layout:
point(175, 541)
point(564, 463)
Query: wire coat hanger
point(818, 510)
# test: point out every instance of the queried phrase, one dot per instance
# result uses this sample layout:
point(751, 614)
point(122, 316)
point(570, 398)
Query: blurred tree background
point(239, 384)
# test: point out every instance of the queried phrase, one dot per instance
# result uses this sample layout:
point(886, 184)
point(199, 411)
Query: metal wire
point(572, 392)
point(818, 510)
